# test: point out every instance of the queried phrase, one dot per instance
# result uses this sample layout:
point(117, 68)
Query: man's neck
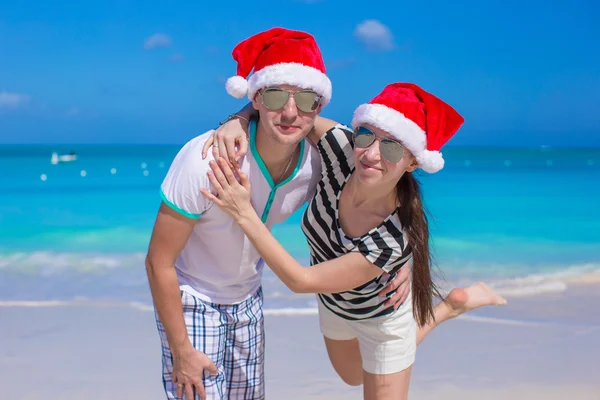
point(275, 155)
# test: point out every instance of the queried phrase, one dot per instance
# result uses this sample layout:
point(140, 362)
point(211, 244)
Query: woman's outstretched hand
point(232, 196)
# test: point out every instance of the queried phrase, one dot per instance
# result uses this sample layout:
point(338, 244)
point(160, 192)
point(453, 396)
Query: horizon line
point(474, 146)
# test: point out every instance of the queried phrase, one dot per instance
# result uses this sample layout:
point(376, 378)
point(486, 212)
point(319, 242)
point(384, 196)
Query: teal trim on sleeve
point(178, 209)
point(265, 171)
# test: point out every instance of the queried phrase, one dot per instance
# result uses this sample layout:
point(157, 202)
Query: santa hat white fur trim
point(294, 74)
point(237, 86)
point(403, 129)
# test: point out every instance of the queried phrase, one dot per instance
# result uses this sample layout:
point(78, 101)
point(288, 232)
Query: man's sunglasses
point(306, 100)
point(390, 149)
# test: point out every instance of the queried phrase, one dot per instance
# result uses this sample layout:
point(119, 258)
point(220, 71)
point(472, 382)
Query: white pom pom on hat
point(237, 86)
point(430, 161)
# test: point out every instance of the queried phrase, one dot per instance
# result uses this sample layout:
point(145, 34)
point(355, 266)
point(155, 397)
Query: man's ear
point(255, 101)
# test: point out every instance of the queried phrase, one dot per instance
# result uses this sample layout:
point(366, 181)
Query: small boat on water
point(63, 158)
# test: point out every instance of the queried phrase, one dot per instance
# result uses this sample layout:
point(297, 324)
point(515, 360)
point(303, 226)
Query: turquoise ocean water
point(524, 220)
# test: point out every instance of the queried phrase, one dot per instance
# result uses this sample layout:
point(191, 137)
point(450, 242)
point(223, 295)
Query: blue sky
point(523, 73)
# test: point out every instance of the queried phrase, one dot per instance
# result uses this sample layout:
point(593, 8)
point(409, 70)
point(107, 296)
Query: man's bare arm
point(170, 234)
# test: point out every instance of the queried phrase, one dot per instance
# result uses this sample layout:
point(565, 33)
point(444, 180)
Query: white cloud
point(12, 100)
point(374, 35)
point(157, 40)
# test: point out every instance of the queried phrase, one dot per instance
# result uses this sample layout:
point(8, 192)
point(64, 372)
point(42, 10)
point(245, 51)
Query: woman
point(365, 222)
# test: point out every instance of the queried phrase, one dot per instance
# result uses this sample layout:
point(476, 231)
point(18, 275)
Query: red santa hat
point(421, 121)
point(279, 56)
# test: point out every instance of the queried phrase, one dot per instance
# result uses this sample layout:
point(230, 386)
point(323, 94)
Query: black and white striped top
point(384, 246)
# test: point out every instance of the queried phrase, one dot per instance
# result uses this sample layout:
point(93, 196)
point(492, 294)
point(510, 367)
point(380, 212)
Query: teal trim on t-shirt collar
point(265, 171)
point(261, 163)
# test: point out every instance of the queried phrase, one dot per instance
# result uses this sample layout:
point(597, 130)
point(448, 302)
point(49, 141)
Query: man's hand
point(187, 372)
point(401, 284)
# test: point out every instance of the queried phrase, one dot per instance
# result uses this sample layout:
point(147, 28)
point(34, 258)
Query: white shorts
point(387, 344)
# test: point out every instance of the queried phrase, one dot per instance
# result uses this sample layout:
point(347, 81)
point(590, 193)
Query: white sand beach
point(544, 347)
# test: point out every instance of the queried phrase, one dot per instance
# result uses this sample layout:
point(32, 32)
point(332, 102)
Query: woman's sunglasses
point(306, 100)
point(390, 149)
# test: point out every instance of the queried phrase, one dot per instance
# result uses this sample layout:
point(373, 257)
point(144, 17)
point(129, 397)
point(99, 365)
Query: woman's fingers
point(209, 196)
point(228, 172)
point(207, 144)
point(230, 150)
point(225, 182)
point(215, 182)
point(220, 139)
point(244, 181)
point(218, 174)
point(243, 150)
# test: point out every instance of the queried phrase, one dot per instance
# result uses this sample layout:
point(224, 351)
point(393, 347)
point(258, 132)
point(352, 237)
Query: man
point(204, 274)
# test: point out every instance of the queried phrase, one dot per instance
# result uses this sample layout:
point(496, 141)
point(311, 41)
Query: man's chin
point(290, 136)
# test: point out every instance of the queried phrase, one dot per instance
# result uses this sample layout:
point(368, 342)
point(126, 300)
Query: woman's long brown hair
point(415, 224)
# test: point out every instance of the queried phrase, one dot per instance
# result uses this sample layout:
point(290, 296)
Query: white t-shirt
point(219, 264)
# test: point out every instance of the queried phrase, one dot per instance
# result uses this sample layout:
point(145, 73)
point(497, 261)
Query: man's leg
point(460, 301)
point(207, 334)
point(245, 350)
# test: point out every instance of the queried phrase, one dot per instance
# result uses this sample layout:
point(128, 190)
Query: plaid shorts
point(232, 336)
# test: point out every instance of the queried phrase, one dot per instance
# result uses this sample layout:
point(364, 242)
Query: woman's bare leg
point(346, 360)
point(387, 387)
point(460, 301)
point(345, 354)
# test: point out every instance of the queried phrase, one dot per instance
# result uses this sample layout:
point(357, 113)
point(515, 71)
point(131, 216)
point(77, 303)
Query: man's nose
point(289, 111)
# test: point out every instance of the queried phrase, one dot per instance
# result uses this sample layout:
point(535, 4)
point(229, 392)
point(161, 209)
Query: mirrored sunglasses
point(390, 149)
point(306, 100)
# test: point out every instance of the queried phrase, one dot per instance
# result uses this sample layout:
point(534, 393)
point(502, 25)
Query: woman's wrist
point(246, 218)
point(235, 116)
